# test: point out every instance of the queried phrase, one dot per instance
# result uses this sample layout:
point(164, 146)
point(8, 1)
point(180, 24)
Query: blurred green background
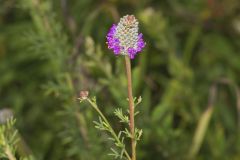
point(188, 76)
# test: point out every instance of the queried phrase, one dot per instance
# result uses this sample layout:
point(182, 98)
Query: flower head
point(124, 39)
point(83, 95)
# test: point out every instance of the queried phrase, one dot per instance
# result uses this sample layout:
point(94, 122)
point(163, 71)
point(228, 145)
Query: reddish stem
point(131, 106)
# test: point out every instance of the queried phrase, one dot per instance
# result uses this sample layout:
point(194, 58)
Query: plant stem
point(110, 127)
point(131, 106)
point(9, 153)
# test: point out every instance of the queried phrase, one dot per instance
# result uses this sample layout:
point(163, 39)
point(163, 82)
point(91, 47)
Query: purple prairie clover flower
point(124, 39)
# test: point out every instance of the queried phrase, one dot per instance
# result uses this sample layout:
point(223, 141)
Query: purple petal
point(140, 36)
point(112, 42)
point(116, 50)
point(132, 52)
point(140, 43)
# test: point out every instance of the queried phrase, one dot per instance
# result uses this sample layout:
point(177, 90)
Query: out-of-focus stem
point(131, 106)
point(9, 153)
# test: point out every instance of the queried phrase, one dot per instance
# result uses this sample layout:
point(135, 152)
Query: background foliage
point(188, 76)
